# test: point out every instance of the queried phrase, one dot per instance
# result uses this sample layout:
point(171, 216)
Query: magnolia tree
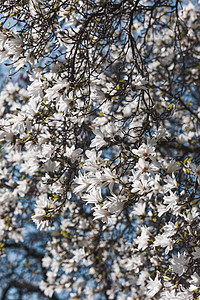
point(100, 140)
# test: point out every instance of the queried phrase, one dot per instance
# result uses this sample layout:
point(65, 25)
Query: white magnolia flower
point(99, 141)
point(153, 286)
point(139, 208)
point(117, 203)
point(179, 264)
point(51, 166)
point(170, 200)
point(145, 167)
point(92, 163)
point(164, 241)
point(48, 289)
point(145, 151)
point(171, 183)
point(139, 83)
point(170, 229)
point(134, 262)
point(173, 167)
point(143, 239)
point(109, 178)
point(82, 183)
point(191, 215)
point(40, 218)
point(54, 92)
point(79, 255)
point(94, 196)
point(194, 282)
point(142, 186)
point(101, 213)
point(46, 261)
point(173, 295)
point(73, 153)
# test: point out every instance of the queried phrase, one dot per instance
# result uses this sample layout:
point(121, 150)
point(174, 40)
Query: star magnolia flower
point(172, 295)
point(171, 200)
point(82, 183)
point(51, 166)
point(141, 186)
point(194, 282)
point(164, 241)
point(171, 183)
point(139, 208)
point(153, 286)
point(145, 151)
point(40, 219)
point(101, 213)
point(73, 153)
point(94, 196)
point(173, 167)
point(179, 264)
point(140, 83)
point(143, 239)
point(99, 140)
point(48, 289)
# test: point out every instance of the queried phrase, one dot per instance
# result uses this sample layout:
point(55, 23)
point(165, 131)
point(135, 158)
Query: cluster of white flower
point(100, 145)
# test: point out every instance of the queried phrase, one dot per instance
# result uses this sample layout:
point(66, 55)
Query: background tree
point(100, 149)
